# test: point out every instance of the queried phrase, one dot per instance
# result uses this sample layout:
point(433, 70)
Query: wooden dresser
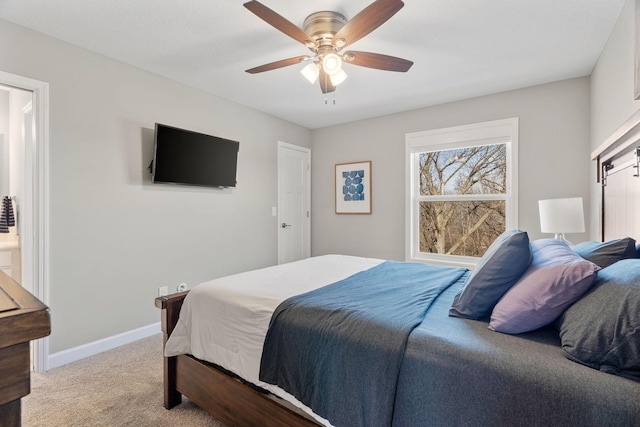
point(22, 318)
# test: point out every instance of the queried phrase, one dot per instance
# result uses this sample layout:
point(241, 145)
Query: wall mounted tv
point(185, 157)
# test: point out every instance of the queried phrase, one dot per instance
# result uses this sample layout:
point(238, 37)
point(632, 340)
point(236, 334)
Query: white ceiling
point(460, 49)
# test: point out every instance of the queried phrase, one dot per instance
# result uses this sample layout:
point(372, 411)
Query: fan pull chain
point(326, 101)
point(326, 83)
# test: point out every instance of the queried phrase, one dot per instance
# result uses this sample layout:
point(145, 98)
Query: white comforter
point(225, 321)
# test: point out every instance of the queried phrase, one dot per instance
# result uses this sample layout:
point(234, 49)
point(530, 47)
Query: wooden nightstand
point(22, 318)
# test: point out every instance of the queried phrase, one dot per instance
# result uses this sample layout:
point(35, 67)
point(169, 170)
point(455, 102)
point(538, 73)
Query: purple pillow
point(555, 279)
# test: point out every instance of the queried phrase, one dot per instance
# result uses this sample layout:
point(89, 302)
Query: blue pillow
point(606, 253)
point(498, 270)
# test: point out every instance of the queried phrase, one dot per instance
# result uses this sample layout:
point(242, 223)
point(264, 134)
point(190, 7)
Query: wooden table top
point(23, 317)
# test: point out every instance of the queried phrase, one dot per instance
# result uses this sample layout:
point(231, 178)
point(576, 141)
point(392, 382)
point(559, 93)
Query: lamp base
point(560, 236)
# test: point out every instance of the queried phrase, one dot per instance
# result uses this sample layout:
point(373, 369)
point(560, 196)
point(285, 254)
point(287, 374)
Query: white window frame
point(486, 133)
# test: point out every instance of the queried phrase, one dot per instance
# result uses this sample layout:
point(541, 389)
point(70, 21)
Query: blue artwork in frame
point(353, 187)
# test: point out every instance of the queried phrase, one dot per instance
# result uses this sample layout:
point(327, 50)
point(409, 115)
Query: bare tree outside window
point(462, 210)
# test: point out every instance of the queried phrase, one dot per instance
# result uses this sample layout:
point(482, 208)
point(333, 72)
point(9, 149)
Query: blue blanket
point(339, 349)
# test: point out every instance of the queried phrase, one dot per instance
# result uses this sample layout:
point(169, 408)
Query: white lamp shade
point(561, 215)
point(338, 77)
point(311, 72)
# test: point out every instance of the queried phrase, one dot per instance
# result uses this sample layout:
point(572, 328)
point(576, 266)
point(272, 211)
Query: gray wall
point(612, 89)
point(553, 162)
point(114, 236)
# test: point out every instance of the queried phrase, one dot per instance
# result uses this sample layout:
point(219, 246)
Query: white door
point(294, 202)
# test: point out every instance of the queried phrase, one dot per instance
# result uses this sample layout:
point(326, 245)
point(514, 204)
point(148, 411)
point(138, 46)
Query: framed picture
point(636, 71)
point(353, 188)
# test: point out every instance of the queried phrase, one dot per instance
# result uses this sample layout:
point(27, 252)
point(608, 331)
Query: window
point(461, 190)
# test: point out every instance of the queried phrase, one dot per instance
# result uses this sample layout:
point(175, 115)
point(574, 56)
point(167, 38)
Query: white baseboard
point(73, 354)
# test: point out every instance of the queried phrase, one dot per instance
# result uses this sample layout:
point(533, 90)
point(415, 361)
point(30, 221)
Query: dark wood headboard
point(618, 173)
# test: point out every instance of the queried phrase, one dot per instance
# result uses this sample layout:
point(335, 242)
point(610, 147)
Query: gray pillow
point(606, 253)
point(602, 329)
point(500, 267)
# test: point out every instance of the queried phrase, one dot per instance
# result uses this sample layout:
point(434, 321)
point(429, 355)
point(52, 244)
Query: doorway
point(30, 118)
point(294, 202)
point(16, 119)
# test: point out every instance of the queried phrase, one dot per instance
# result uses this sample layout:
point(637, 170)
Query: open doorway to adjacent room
point(23, 189)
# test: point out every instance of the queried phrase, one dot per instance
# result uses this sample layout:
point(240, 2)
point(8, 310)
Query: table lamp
point(560, 216)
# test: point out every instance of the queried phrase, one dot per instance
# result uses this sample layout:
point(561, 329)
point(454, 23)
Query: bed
point(462, 363)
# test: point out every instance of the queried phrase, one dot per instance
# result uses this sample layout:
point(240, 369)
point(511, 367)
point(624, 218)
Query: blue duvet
point(339, 349)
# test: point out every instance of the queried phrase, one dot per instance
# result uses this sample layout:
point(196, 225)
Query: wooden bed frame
point(225, 397)
point(233, 402)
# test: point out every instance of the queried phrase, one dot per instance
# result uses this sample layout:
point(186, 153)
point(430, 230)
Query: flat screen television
point(185, 157)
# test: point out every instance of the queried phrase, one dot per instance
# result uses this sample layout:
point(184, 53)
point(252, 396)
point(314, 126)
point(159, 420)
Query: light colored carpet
point(120, 387)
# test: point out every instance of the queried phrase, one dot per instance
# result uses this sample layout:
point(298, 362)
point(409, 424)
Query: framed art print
point(353, 188)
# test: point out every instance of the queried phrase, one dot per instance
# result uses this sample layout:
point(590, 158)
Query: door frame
point(35, 243)
point(307, 230)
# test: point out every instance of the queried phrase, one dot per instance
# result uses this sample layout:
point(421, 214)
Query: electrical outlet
point(163, 290)
point(182, 287)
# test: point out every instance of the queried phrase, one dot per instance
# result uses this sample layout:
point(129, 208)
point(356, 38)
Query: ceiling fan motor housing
point(322, 26)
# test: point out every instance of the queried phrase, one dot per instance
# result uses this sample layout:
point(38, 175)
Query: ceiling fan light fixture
point(331, 63)
point(311, 72)
point(325, 34)
point(338, 77)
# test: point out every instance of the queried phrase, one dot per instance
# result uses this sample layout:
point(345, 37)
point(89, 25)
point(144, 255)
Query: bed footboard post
point(170, 306)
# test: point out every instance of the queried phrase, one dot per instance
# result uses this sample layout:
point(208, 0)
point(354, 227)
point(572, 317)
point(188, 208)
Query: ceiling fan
point(326, 34)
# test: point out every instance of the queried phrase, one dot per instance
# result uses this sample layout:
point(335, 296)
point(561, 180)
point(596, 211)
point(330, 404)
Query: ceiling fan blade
point(325, 82)
point(280, 23)
point(277, 64)
point(369, 18)
point(377, 60)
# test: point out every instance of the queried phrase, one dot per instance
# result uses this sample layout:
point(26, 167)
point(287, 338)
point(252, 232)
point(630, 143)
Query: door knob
point(285, 225)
